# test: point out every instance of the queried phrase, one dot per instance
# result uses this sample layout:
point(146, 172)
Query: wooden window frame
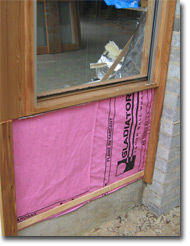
point(83, 91)
point(17, 92)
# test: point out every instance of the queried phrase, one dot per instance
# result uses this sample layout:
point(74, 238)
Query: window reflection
point(79, 41)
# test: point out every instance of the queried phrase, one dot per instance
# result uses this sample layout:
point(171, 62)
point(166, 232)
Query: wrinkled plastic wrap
point(131, 63)
point(62, 155)
point(132, 60)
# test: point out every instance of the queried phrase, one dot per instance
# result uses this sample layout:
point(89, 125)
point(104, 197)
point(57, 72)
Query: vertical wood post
point(147, 37)
point(159, 76)
point(7, 181)
point(12, 58)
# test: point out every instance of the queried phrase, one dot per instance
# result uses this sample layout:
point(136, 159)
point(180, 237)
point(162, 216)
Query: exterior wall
point(164, 192)
point(162, 195)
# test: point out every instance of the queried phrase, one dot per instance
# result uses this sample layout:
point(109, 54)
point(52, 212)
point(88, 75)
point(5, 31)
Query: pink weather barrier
point(62, 155)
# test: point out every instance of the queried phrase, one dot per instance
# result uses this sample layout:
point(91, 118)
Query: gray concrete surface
point(91, 215)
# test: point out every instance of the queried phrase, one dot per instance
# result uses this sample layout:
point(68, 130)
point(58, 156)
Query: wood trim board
point(128, 80)
point(159, 75)
point(78, 201)
point(147, 36)
point(12, 60)
point(71, 99)
point(7, 181)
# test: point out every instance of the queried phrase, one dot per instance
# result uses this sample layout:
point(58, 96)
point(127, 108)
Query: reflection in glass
point(65, 22)
point(85, 39)
point(41, 30)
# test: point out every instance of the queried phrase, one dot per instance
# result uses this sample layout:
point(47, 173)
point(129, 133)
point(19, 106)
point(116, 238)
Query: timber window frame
point(100, 90)
point(17, 91)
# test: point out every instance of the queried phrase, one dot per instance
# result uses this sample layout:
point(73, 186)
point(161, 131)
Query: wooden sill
point(67, 98)
point(134, 78)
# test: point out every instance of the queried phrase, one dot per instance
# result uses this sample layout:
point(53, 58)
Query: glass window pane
point(65, 23)
point(91, 41)
point(41, 29)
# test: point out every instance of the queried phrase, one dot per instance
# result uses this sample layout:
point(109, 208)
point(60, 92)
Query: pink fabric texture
point(62, 155)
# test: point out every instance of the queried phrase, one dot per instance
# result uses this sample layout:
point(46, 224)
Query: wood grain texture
point(79, 200)
point(71, 99)
point(147, 36)
point(29, 65)
point(159, 76)
point(93, 85)
point(12, 54)
point(7, 181)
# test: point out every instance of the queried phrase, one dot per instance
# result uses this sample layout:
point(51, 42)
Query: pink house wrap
point(61, 155)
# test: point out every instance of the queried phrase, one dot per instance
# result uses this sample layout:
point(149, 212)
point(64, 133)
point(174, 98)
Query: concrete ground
point(139, 221)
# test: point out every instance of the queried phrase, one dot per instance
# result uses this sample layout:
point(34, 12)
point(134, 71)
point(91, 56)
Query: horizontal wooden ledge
point(94, 94)
point(93, 85)
point(78, 201)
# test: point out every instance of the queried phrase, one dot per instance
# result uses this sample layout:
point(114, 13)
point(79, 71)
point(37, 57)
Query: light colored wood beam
point(7, 181)
point(78, 201)
point(159, 76)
